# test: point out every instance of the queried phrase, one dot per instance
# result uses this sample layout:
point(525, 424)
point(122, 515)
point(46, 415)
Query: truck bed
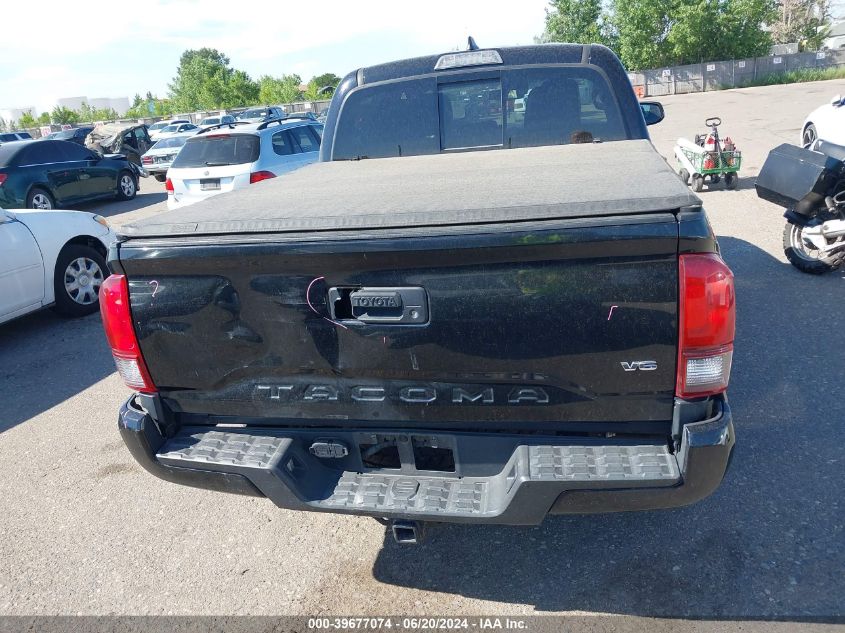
point(421, 193)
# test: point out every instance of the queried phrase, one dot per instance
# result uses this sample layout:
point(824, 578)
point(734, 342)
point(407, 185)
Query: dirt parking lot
point(85, 530)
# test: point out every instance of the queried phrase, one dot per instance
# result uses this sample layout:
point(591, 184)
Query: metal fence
point(727, 74)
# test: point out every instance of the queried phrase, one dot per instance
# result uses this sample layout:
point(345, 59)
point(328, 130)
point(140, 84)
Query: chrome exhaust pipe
point(407, 532)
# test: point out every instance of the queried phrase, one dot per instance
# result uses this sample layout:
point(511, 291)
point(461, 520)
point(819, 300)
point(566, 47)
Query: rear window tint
point(308, 141)
point(171, 141)
point(558, 106)
point(8, 151)
point(512, 107)
point(471, 114)
point(228, 149)
point(282, 143)
point(42, 152)
point(394, 119)
point(72, 151)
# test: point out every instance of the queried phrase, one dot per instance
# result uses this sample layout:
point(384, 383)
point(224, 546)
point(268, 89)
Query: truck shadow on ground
point(766, 545)
point(110, 208)
point(46, 359)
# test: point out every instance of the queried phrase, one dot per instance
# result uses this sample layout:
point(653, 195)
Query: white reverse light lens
point(705, 374)
point(130, 372)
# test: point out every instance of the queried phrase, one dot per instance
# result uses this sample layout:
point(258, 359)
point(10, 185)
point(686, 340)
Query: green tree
point(163, 107)
point(655, 33)
point(27, 120)
point(44, 118)
point(705, 30)
point(139, 108)
point(325, 80)
point(284, 89)
point(103, 114)
point(313, 91)
point(85, 112)
point(64, 116)
point(240, 90)
point(576, 21)
point(641, 27)
point(205, 81)
point(5, 125)
point(804, 21)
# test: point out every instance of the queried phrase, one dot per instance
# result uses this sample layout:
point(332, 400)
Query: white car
point(215, 120)
point(51, 258)
point(218, 160)
point(826, 123)
point(155, 128)
point(8, 137)
point(177, 129)
point(160, 156)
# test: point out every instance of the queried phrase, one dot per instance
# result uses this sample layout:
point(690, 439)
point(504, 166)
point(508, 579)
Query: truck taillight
point(258, 176)
point(707, 320)
point(117, 321)
point(168, 186)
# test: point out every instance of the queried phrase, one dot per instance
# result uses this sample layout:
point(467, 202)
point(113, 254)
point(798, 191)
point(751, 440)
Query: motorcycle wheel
point(804, 257)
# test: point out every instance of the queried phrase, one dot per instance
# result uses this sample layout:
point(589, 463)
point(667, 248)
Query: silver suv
point(232, 156)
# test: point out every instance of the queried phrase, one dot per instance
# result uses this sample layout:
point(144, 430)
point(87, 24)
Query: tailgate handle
point(393, 306)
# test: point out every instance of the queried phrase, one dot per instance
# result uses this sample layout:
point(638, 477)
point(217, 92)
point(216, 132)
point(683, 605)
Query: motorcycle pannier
point(797, 178)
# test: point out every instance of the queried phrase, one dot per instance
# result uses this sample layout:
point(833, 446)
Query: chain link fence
point(735, 73)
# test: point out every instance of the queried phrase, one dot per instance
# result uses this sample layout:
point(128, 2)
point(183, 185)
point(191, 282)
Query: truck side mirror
point(652, 112)
point(836, 101)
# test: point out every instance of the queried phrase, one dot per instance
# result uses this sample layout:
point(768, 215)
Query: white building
point(118, 104)
point(835, 37)
point(71, 103)
point(14, 114)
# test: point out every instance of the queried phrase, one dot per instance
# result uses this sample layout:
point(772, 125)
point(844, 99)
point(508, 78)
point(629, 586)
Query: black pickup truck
point(418, 330)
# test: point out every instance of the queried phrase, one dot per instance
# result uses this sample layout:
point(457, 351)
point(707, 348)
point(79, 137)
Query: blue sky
point(100, 51)
point(95, 55)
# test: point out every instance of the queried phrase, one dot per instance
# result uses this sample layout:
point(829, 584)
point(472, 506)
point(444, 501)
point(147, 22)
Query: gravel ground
point(87, 531)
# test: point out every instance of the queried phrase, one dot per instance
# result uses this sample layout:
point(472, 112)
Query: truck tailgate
point(526, 326)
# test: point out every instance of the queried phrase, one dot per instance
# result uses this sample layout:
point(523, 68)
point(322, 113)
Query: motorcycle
point(810, 185)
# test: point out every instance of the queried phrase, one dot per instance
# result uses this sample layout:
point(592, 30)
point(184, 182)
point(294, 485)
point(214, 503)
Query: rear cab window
point(218, 149)
point(170, 141)
point(479, 109)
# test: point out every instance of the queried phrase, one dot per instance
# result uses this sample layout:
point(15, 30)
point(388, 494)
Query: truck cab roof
point(500, 98)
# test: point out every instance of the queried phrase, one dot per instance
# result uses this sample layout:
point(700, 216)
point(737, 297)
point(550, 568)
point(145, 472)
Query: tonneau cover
point(470, 188)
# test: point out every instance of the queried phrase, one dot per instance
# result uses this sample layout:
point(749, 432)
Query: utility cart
point(708, 157)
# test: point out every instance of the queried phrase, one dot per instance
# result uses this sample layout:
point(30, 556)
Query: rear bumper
point(157, 168)
point(515, 480)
